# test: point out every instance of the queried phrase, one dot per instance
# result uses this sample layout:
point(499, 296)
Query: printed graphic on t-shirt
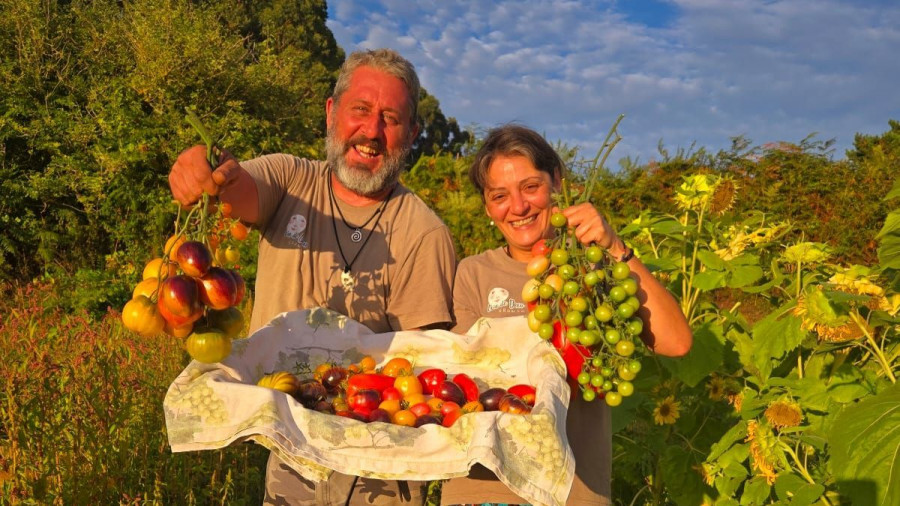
point(499, 301)
point(296, 229)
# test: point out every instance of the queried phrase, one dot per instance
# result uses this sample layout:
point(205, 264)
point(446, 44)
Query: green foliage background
point(92, 116)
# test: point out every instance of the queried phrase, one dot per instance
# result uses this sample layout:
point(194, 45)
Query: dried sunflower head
point(784, 413)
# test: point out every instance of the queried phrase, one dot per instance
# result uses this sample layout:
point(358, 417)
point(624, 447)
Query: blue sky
point(681, 71)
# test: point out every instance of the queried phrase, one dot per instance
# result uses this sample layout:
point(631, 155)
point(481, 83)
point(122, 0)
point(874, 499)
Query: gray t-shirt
point(403, 273)
point(490, 285)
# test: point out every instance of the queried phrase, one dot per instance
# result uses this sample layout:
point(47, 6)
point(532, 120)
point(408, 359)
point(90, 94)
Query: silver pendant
point(347, 280)
point(356, 236)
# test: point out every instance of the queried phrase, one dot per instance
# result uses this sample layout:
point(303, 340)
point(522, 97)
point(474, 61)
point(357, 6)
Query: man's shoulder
point(417, 212)
point(285, 161)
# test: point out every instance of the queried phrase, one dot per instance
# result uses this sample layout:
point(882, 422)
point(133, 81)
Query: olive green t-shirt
point(402, 262)
point(490, 285)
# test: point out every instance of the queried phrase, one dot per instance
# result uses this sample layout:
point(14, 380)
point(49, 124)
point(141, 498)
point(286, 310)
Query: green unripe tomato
point(584, 378)
point(607, 386)
point(566, 271)
point(625, 348)
point(603, 313)
point(559, 257)
point(620, 270)
point(633, 302)
point(625, 311)
point(593, 254)
point(546, 291)
point(596, 362)
point(625, 373)
point(573, 318)
point(634, 366)
point(589, 394)
point(613, 399)
point(545, 331)
point(588, 338)
point(571, 288)
point(617, 294)
point(635, 326)
point(542, 312)
point(590, 322)
point(558, 220)
point(578, 304)
point(612, 336)
point(625, 388)
point(597, 380)
point(606, 372)
point(630, 286)
point(591, 278)
point(573, 334)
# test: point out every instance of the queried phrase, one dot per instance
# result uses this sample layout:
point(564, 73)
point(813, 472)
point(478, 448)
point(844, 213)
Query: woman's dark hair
point(515, 140)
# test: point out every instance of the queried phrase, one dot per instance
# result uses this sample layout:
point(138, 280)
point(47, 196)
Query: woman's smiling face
point(517, 198)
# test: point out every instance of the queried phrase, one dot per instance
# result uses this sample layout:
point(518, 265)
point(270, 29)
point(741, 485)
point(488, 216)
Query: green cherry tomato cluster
point(585, 304)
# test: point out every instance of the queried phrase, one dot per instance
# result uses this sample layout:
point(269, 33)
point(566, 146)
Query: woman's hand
point(591, 227)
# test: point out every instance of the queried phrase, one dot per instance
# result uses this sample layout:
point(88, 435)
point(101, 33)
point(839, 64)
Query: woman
point(516, 171)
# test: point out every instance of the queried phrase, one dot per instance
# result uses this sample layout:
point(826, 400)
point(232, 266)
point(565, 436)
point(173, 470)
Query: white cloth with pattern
point(210, 406)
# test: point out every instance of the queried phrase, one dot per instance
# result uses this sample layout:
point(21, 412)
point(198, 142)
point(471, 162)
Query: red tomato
point(373, 381)
point(364, 400)
point(420, 409)
point(430, 379)
point(391, 394)
point(525, 392)
point(469, 388)
point(540, 248)
point(448, 406)
point(450, 415)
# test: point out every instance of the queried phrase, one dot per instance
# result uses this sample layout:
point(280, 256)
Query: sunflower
point(716, 387)
point(695, 192)
point(784, 413)
point(806, 252)
point(762, 443)
point(723, 195)
point(666, 411)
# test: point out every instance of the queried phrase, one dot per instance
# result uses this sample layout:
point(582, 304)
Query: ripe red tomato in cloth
point(525, 392)
point(368, 381)
point(572, 354)
point(469, 388)
point(430, 379)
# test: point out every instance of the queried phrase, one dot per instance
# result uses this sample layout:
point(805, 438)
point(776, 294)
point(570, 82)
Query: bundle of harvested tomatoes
point(395, 394)
point(192, 290)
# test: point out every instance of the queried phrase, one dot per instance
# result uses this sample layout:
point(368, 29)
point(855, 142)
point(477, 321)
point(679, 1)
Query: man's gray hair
point(387, 61)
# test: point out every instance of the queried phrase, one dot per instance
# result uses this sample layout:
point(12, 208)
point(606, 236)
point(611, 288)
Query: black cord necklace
point(356, 236)
point(346, 278)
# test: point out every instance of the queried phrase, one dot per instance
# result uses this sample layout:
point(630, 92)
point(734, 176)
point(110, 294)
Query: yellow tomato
point(404, 417)
point(397, 366)
point(435, 404)
point(412, 400)
point(157, 269)
point(140, 315)
point(147, 288)
point(391, 406)
point(408, 385)
point(367, 364)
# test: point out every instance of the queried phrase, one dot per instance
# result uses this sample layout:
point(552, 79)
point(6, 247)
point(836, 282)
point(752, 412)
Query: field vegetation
point(785, 258)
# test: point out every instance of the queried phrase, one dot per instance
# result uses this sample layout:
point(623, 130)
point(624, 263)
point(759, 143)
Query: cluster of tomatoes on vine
point(586, 305)
point(192, 290)
point(395, 394)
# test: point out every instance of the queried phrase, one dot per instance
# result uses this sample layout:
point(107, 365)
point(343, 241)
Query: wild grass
point(81, 419)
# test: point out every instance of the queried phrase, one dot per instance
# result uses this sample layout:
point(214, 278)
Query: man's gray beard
point(362, 181)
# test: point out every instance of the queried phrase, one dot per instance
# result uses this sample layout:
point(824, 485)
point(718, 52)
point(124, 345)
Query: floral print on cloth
point(210, 406)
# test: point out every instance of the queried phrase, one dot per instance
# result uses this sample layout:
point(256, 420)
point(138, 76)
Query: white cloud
point(773, 71)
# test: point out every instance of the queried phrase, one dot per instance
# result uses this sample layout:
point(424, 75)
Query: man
point(343, 234)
